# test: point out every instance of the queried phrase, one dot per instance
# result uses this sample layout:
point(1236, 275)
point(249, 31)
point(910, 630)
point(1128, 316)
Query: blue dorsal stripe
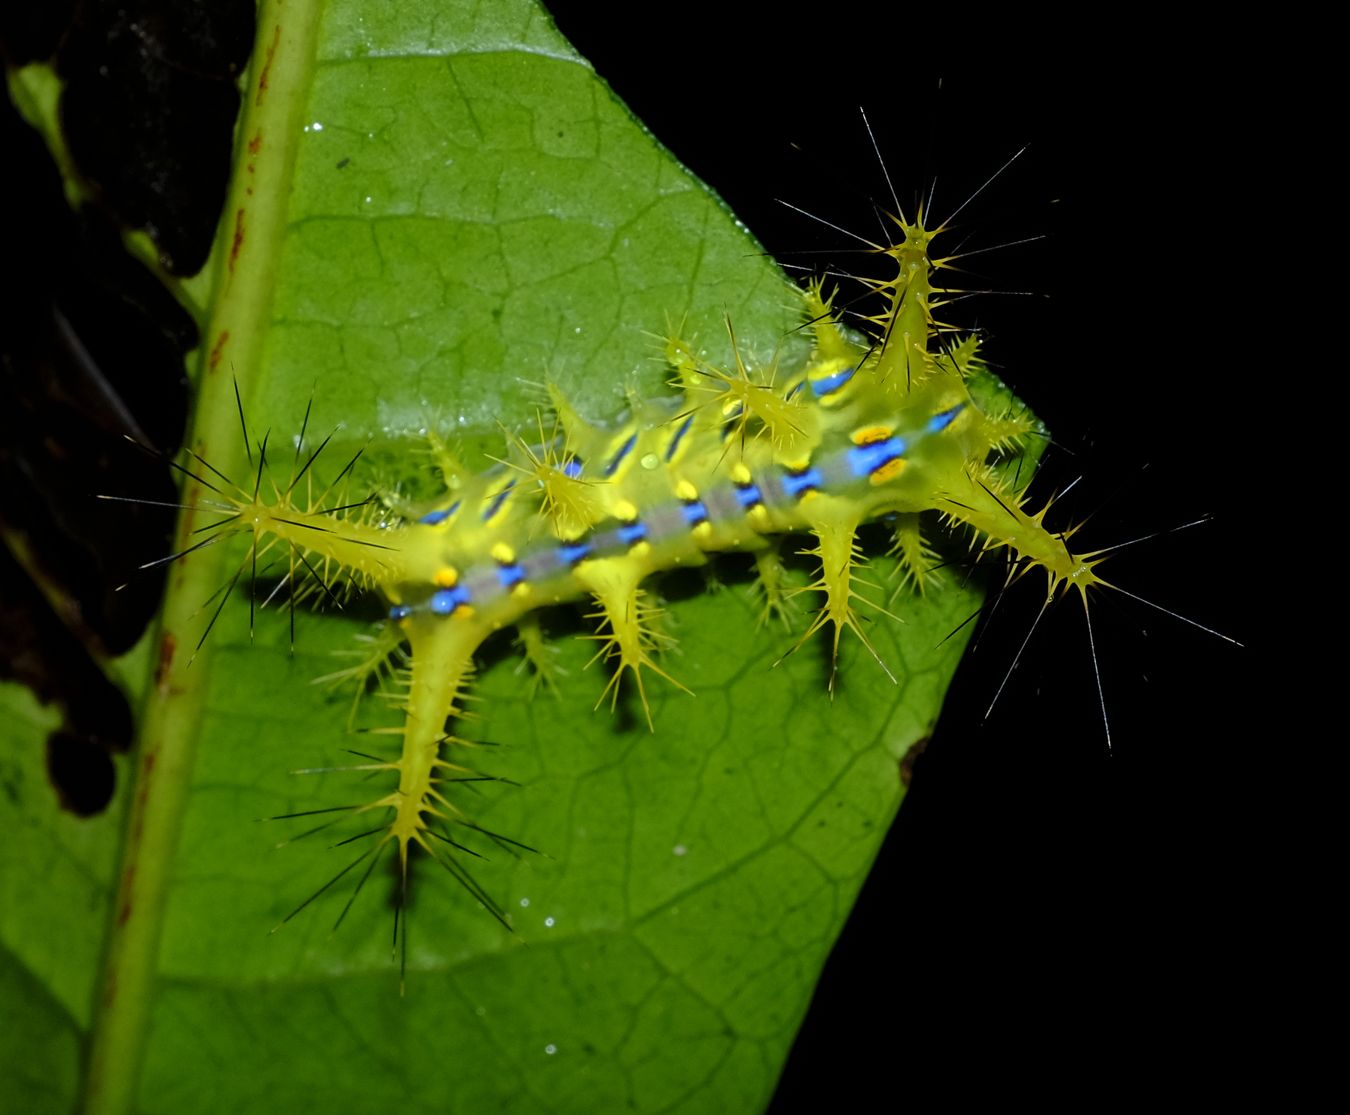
point(866, 459)
point(796, 483)
point(446, 600)
point(730, 422)
point(400, 611)
point(631, 533)
point(679, 437)
point(497, 501)
point(432, 518)
point(573, 552)
point(695, 512)
point(749, 495)
point(572, 467)
point(617, 459)
point(508, 576)
point(828, 385)
point(940, 422)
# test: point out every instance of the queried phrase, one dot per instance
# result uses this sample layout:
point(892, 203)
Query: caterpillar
point(885, 428)
point(441, 913)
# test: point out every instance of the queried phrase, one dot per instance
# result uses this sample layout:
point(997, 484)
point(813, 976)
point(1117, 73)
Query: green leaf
point(434, 211)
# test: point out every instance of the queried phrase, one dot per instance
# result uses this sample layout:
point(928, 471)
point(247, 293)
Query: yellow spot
point(625, 511)
point(758, 516)
point(870, 435)
point(801, 464)
point(740, 474)
point(522, 589)
point(503, 554)
point(686, 492)
point(889, 471)
point(464, 611)
point(703, 531)
point(640, 549)
point(446, 577)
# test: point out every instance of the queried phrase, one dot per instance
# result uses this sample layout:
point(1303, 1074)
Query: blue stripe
point(866, 459)
point(497, 501)
point(679, 437)
point(828, 385)
point(632, 533)
point(695, 512)
point(617, 459)
point(572, 467)
point(940, 422)
point(748, 495)
point(508, 576)
point(730, 422)
point(432, 518)
point(444, 602)
point(795, 483)
point(400, 611)
point(572, 552)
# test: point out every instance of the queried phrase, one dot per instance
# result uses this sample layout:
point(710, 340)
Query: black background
point(1048, 920)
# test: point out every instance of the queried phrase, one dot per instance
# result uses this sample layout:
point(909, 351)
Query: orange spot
point(870, 435)
point(888, 471)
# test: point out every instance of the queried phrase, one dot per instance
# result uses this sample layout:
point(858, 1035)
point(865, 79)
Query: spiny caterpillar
point(901, 427)
point(665, 960)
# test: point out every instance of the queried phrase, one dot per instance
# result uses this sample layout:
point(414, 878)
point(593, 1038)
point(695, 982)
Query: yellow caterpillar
point(886, 428)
